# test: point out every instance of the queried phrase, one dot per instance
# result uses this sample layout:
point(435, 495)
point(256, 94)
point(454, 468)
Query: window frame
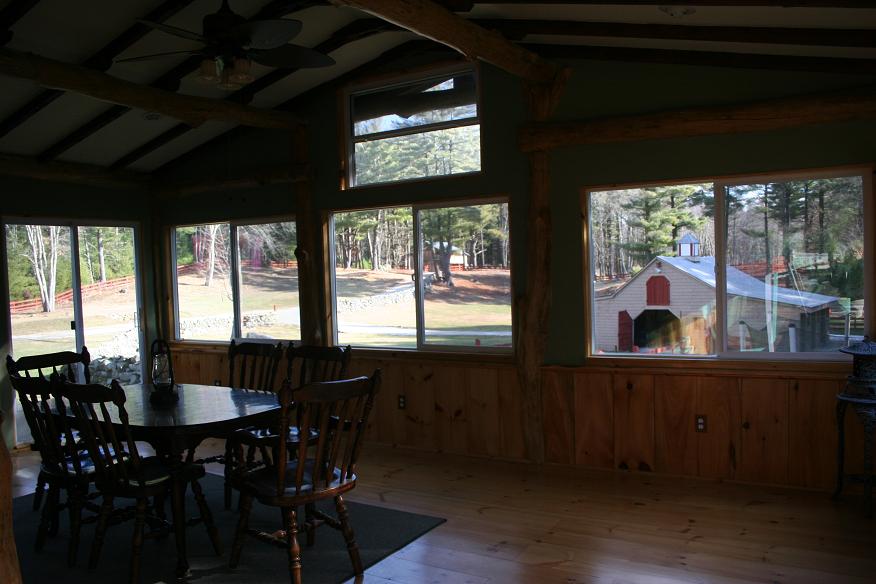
point(419, 291)
point(720, 184)
point(349, 140)
point(237, 320)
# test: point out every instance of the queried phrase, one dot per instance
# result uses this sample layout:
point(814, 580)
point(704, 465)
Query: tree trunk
point(101, 256)
point(211, 254)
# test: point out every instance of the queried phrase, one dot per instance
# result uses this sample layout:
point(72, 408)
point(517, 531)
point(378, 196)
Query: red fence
point(66, 297)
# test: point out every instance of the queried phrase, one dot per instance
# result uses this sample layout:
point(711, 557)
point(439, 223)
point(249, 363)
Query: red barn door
point(624, 332)
point(657, 291)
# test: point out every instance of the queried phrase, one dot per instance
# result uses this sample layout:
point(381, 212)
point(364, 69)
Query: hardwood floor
point(513, 522)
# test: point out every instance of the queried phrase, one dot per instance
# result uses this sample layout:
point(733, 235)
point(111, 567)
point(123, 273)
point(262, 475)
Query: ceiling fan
point(232, 43)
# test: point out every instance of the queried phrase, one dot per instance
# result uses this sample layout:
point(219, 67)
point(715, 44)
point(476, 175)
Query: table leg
point(868, 418)
point(179, 526)
point(841, 447)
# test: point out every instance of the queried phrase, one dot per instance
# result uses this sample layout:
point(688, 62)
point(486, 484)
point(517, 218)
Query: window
point(236, 281)
point(422, 128)
point(463, 300)
point(733, 267)
point(72, 286)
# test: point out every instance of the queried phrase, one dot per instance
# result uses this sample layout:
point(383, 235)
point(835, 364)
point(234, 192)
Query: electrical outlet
point(700, 423)
point(401, 401)
point(216, 382)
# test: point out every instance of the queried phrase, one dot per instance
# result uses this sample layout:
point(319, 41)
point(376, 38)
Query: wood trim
point(10, 571)
point(192, 110)
point(773, 114)
point(294, 173)
point(781, 3)
point(69, 172)
point(433, 21)
point(714, 367)
point(830, 37)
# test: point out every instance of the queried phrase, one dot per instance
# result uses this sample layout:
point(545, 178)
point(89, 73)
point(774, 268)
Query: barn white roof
point(741, 284)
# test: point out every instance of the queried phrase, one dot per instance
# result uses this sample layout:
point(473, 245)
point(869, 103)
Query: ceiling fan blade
point(155, 56)
point(291, 57)
point(267, 34)
point(180, 32)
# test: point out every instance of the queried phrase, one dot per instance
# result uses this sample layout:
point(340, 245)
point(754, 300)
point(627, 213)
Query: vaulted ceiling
point(50, 125)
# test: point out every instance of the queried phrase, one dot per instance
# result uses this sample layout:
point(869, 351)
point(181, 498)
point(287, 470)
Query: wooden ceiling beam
point(190, 109)
point(69, 172)
point(101, 61)
point(356, 30)
point(769, 115)
point(723, 3)
point(518, 29)
point(835, 65)
point(431, 20)
point(251, 179)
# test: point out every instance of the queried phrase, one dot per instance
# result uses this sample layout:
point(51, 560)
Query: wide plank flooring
point(513, 522)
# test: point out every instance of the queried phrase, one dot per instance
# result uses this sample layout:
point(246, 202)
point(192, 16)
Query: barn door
point(624, 332)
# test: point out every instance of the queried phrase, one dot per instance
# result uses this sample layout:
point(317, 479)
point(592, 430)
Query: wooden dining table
point(202, 411)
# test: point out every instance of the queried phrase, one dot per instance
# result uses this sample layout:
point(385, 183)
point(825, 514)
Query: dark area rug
point(379, 533)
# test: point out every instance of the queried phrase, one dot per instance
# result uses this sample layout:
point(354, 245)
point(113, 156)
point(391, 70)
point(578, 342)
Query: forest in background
point(811, 230)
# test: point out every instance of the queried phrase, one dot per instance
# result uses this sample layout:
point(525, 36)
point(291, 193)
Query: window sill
point(832, 369)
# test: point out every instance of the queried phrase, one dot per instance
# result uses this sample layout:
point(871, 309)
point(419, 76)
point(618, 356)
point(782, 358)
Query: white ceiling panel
point(181, 145)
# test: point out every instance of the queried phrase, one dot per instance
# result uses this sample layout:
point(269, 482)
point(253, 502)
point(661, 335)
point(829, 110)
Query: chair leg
point(240, 533)
point(53, 502)
point(293, 548)
point(100, 531)
point(38, 492)
point(74, 507)
point(207, 517)
point(347, 530)
point(177, 501)
point(45, 526)
point(137, 543)
point(310, 522)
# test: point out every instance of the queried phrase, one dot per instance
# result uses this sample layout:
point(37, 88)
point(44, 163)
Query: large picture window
point(747, 267)
point(425, 127)
point(236, 280)
point(424, 277)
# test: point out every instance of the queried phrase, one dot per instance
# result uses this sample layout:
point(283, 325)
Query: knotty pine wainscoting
point(770, 427)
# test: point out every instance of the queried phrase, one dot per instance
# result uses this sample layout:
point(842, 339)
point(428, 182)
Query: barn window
point(759, 267)
point(236, 280)
point(657, 291)
point(450, 291)
point(423, 127)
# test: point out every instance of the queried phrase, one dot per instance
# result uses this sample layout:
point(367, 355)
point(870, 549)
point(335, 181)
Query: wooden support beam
point(294, 173)
point(101, 61)
point(192, 110)
point(730, 3)
point(10, 573)
point(433, 21)
point(833, 65)
point(69, 172)
point(826, 37)
point(774, 114)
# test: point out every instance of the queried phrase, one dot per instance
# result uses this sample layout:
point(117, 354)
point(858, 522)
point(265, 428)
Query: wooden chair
point(62, 363)
point(313, 363)
point(251, 366)
point(324, 469)
point(62, 466)
point(120, 471)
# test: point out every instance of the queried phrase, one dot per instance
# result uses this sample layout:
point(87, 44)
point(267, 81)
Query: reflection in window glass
point(374, 286)
point(203, 282)
point(268, 281)
point(795, 265)
point(466, 275)
point(435, 153)
point(653, 270)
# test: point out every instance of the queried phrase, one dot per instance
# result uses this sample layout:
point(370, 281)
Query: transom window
point(424, 277)
point(236, 280)
point(745, 267)
point(425, 127)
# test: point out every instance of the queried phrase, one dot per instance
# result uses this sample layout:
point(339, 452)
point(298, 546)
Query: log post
point(10, 573)
point(307, 251)
point(533, 307)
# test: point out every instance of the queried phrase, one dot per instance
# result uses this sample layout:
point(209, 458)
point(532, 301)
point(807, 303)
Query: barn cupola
point(688, 245)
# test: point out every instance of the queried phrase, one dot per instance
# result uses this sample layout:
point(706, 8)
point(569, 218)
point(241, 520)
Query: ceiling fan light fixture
point(241, 71)
point(210, 71)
